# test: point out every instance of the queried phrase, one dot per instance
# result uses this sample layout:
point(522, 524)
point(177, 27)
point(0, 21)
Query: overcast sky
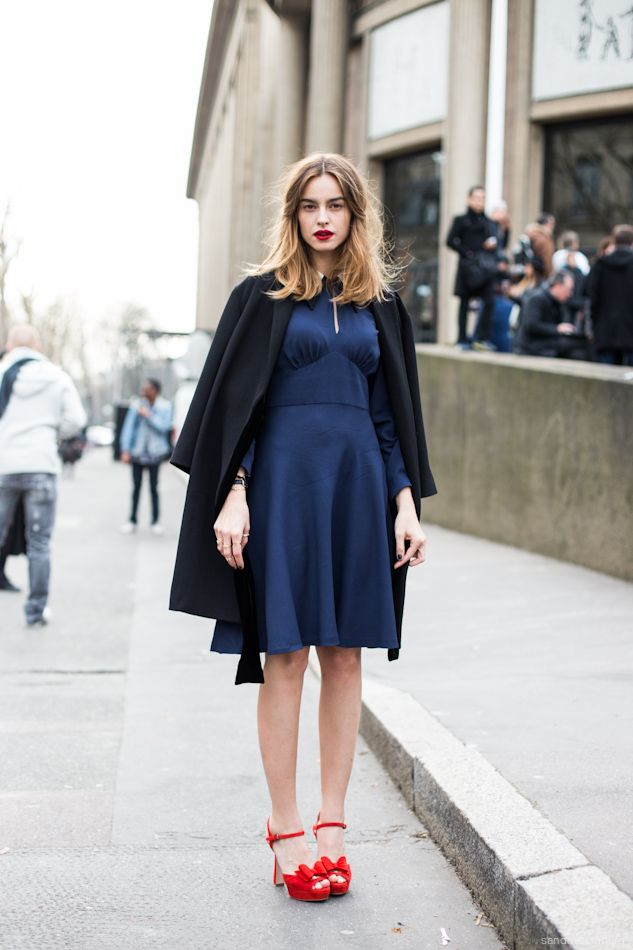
point(97, 116)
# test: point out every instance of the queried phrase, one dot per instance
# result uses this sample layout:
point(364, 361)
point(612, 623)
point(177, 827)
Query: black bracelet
point(241, 480)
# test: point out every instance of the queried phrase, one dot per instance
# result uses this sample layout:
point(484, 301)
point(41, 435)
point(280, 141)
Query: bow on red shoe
point(307, 873)
point(329, 867)
point(301, 883)
point(325, 865)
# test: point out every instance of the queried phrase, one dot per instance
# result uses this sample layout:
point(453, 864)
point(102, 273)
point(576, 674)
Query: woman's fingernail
point(398, 557)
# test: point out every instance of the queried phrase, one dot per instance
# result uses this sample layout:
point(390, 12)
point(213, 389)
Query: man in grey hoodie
point(38, 403)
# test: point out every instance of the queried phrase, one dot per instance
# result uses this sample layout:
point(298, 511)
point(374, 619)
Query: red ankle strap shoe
point(301, 883)
point(340, 867)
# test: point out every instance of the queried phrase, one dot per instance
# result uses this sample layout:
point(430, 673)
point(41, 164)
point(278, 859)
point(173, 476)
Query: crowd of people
point(538, 300)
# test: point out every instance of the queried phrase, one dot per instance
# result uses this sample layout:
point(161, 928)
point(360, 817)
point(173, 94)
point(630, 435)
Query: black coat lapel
point(400, 393)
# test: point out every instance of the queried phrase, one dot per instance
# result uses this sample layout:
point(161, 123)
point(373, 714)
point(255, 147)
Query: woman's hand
point(232, 528)
point(408, 528)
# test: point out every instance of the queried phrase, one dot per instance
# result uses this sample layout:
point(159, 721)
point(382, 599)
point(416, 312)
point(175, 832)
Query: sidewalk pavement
point(511, 707)
point(132, 799)
point(530, 661)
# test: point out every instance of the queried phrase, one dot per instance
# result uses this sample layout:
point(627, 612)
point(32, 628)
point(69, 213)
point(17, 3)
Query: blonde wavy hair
point(365, 266)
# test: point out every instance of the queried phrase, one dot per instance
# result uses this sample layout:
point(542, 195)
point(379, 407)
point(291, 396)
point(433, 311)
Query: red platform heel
point(301, 883)
point(341, 866)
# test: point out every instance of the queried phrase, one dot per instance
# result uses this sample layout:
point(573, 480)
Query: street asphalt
point(132, 799)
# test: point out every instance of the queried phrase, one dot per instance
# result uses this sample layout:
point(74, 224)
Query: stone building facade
point(532, 98)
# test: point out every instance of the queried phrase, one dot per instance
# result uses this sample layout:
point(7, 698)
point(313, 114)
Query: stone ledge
point(531, 452)
point(535, 886)
point(541, 364)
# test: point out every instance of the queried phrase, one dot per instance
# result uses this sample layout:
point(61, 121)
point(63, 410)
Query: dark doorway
point(412, 204)
point(588, 180)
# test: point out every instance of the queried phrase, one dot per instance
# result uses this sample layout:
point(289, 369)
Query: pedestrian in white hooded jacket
point(43, 405)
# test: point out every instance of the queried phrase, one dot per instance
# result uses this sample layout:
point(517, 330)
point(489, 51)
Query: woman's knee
point(339, 661)
point(291, 664)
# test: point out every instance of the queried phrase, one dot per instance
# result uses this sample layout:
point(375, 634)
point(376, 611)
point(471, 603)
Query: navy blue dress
point(322, 468)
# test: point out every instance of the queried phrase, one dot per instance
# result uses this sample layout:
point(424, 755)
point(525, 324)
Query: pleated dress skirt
point(318, 495)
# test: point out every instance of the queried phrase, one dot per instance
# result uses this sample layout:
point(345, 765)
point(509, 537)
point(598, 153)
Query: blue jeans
point(38, 491)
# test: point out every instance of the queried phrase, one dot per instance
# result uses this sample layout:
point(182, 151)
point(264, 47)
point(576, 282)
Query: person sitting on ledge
point(545, 328)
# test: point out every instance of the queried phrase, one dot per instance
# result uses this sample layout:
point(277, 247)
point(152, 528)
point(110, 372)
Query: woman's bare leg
point(339, 717)
point(278, 708)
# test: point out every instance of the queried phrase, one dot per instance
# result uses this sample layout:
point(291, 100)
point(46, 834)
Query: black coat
point(226, 411)
point(611, 295)
point(467, 235)
point(538, 334)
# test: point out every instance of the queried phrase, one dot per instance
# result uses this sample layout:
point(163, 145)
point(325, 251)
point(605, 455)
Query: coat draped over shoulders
point(226, 411)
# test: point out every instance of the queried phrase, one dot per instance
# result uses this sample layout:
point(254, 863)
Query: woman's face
point(324, 214)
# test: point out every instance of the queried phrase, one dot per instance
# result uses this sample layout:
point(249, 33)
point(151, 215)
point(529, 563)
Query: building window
point(412, 205)
point(588, 181)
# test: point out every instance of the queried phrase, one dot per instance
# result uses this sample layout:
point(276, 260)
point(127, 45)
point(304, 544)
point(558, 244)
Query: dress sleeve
point(247, 461)
point(380, 409)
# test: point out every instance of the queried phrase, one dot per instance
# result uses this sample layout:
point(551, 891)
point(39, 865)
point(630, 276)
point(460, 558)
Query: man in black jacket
point(611, 295)
point(545, 329)
point(474, 236)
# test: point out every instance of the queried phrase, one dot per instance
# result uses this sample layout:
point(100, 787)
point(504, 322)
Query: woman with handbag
point(307, 459)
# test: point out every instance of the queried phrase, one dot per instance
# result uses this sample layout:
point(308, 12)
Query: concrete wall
point(254, 127)
point(215, 182)
point(532, 452)
point(215, 220)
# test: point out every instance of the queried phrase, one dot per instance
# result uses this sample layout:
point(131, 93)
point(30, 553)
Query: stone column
point(290, 101)
point(465, 141)
point(244, 243)
point(518, 187)
point(326, 81)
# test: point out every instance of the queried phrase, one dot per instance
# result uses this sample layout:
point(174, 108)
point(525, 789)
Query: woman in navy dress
point(314, 509)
